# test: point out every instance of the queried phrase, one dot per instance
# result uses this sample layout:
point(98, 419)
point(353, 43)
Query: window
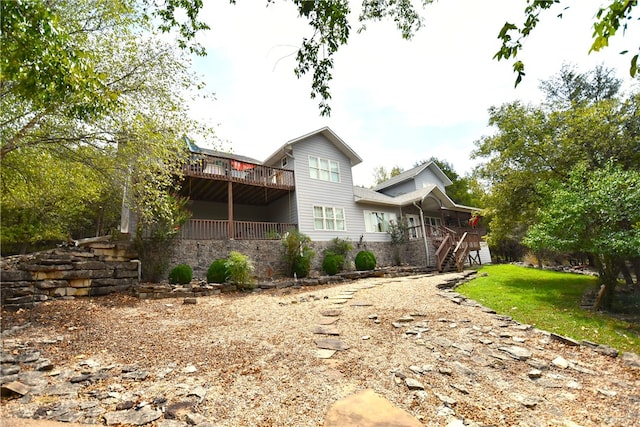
point(413, 222)
point(324, 169)
point(378, 221)
point(433, 225)
point(328, 218)
point(283, 162)
point(432, 221)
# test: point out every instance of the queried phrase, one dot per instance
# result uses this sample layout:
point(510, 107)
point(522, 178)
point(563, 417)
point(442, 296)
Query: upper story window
point(328, 218)
point(378, 222)
point(324, 169)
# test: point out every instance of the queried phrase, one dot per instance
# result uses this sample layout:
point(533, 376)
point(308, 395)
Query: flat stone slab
point(331, 313)
point(325, 353)
point(368, 409)
point(519, 353)
point(361, 304)
point(339, 301)
point(326, 330)
point(343, 296)
point(328, 320)
point(331, 344)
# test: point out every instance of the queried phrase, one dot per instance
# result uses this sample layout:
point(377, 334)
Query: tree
point(109, 108)
point(593, 211)
point(538, 165)
point(539, 143)
point(381, 175)
point(569, 87)
point(608, 20)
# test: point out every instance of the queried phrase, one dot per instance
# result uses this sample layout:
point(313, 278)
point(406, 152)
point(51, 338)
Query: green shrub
point(365, 260)
point(301, 266)
point(240, 270)
point(332, 263)
point(337, 248)
point(340, 246)
point(181, 274)
point(297, 253)
point(217, 272)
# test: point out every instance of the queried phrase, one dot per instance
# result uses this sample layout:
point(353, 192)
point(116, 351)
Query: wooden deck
point(211, 178)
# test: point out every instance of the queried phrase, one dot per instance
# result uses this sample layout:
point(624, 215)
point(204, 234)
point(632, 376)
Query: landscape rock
point(518, 353)
point(136, 417)
point(631, 359)
point(413, 384)
point(332, 344)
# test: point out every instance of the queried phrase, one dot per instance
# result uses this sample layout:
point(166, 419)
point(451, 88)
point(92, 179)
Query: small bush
point(240, 270)
point(181, 274)
point(332, 263)
point(340, 246)
point(301, 266)
point(365, 260)
point(217, 272)
point(297, 253)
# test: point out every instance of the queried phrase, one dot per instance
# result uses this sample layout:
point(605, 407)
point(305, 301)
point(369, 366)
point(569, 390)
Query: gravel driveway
point(266, 359)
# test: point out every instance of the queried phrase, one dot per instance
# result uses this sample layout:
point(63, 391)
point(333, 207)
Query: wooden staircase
point(453, 251)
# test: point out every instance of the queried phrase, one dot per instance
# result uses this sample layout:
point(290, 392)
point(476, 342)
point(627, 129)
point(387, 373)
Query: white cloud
point(395, 102)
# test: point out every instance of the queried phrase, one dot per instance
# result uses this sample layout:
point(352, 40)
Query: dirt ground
point(251, 359)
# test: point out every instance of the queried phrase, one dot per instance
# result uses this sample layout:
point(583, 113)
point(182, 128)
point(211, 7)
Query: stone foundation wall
point(96, 269)
point(266, 255)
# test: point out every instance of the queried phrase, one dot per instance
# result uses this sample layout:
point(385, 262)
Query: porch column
point(230, 213)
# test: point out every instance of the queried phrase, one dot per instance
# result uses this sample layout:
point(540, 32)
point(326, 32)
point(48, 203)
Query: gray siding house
point(307, 184)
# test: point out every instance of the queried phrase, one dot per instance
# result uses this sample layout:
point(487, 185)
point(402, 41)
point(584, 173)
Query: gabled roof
point(327, 133)
point(365, 195)
point(412, 173)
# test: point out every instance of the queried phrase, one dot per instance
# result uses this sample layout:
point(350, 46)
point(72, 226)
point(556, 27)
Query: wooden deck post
point(230, 212)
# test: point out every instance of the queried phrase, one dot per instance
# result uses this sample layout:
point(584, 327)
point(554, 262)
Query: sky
point(395, 102)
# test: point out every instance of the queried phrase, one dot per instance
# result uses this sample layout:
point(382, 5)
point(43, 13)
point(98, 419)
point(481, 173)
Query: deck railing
point(218, 229)
point(205, 166)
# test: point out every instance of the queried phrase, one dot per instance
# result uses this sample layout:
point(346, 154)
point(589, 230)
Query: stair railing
point(468, 242)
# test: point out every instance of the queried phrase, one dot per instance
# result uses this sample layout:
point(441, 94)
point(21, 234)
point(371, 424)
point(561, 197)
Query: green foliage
point(365, 260)
point(340, 246)
point(217, 271)
point(154, 240)
point(88, 108)
point(381, 175)
point(550, 301)
point(181, 274)
point(536, 144)
point(594, 211)
point(335, 255)
point(301, 266)
point(297, 253)
point(240, 270)
point(399, 232)
point(332, 263)
point(608, 20)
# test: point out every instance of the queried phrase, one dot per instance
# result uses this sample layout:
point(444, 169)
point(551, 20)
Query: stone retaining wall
point(95, 269)
point(266, 255)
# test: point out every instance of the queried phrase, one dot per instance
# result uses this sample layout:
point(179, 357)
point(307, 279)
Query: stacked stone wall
point(97, 269)
point(267, 255)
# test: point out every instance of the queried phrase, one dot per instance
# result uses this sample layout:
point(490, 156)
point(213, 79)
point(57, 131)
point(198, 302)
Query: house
point(307, 184)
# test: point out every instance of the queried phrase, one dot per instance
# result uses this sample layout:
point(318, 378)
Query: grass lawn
point(550, 301)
